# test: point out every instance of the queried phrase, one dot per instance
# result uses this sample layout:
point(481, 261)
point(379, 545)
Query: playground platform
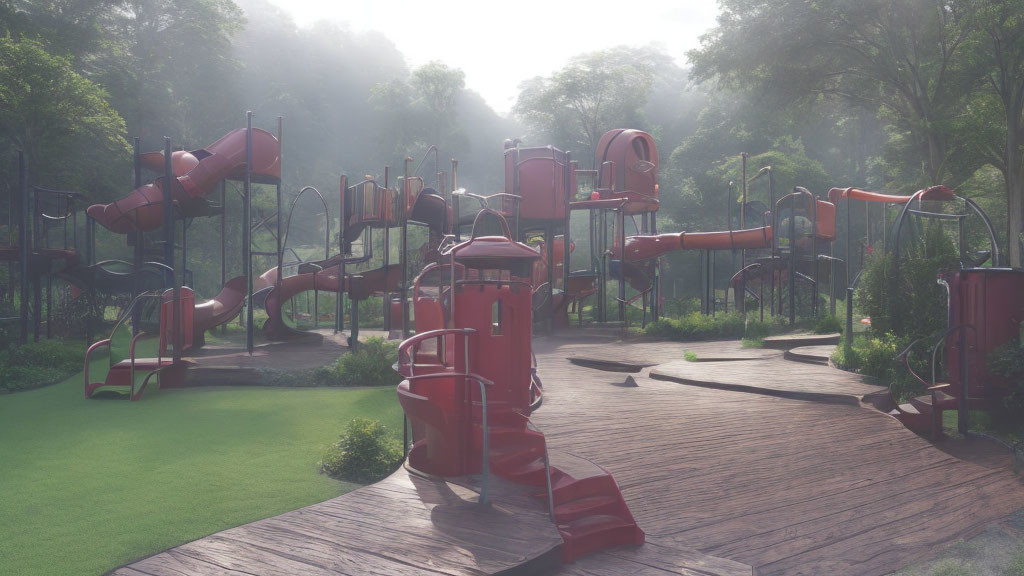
point(724, 480)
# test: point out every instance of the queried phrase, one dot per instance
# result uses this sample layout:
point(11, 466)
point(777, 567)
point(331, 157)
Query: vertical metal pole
point(176, 328)
point(792, 261)
point(742, 300)
point(570, 171)
point(387, 250)
point(247, 233)
point(23, 243)
point(404, 247)
point(280, 217)
point(37, 303)
point(621, 221)
point(602, 216)
point(339, 320)
point(848, 337)
point(223, 242)
point(713, 256)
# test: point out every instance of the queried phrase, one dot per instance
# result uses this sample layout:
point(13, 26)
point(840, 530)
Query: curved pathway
point(799, 477)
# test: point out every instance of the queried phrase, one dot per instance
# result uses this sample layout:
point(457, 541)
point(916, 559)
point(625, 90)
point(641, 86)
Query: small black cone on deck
point(630, 383)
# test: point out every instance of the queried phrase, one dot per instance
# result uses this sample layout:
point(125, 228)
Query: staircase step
point(600, 485)
point(593, 533)
point(588, 506)
point(945, 401)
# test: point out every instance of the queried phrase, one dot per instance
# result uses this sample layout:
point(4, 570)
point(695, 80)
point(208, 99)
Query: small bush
point(1008, 361)
point(827, 324)
point(697, 326)
point(370, 365)
point(676, 307)
point(39, 363)
point(364, 453)
point(875, 356)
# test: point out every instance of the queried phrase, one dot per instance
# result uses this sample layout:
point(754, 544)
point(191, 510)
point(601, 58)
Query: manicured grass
point(88, 485)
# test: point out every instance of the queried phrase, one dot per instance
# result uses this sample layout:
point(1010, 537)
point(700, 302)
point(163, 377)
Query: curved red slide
point(196, 173)
point(375, 281)
point(938, 193)
point(219, 309)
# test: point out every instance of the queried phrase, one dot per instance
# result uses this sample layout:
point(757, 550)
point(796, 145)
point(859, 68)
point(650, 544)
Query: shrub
point(39, 363)
point(1008, 361)
point(364, 453)
point(875, 356)
point(676, 307)
point(827, 324)
point(697, 326)
point(370, 365)
point(908, 301)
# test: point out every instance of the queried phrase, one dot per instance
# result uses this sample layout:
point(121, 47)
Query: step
point(912, 419)
point(588, 506)
point(945, 401)
point(593, 533)
point(532, 473)
point(599, 485)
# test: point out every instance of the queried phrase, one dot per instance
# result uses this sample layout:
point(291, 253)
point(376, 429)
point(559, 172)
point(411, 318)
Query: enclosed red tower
point(628, 168)
point(470, 386)
point(989, 302)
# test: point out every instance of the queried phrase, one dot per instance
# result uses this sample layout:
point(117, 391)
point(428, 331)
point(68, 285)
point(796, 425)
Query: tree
point(62, 121)
point(437, 88)
point(902, 58)
point(999, 51)
point(594, 93)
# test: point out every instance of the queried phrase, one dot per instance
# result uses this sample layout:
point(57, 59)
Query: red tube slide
point(641, 248)
point(375, 281)
point(196, 174)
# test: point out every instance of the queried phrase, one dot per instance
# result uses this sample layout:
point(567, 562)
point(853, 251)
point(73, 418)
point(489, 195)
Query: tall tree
point(437, 87)
point(999, 51)
point(72, 137)
point(900, 57)
point(594, 93)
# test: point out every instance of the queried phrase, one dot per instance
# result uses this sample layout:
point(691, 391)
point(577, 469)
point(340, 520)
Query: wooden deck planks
point(787, 486)
point(403, 525)
point(724, 483)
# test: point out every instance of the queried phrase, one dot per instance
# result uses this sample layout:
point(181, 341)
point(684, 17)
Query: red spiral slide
point(195, 175)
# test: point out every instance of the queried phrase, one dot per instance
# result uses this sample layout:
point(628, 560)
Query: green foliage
point(59, 118)
point(594, 93)
point(1008, 361)
point(875, 356)
point(906, 299)
point(39, 363)
point(827, 324)
point(364, 453)
point(690, 356)
point(697, 326)
point(370, 365)
point(677, 307)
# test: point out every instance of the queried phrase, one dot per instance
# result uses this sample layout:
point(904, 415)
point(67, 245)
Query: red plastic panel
point(188, 301)
point(992, 301)
point(499, 353)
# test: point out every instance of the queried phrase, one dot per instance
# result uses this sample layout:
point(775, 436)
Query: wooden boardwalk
point(725, 482)
point(786, 486)
point(401, 526)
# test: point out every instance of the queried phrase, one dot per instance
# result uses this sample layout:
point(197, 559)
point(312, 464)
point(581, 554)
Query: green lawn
point(88, 485)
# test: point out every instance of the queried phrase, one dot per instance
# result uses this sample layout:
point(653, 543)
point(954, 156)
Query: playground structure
point(47, 256)
point(470, 416)
point(253, 156)
point(984, 305)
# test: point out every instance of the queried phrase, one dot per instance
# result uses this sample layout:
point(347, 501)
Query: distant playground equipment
point(253, 156)
point(984, 305)
point(470, 386)
point(55, 263)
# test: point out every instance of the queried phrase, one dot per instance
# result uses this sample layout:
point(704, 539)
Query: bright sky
point(500, 44)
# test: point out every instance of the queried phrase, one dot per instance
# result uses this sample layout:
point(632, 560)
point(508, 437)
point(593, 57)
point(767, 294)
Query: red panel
point(992, 301)
point(188, 300)
point(826, 220)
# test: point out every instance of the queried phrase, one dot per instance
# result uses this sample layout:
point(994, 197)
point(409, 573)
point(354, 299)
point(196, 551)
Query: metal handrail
point(131, 356)
point(95, 346)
